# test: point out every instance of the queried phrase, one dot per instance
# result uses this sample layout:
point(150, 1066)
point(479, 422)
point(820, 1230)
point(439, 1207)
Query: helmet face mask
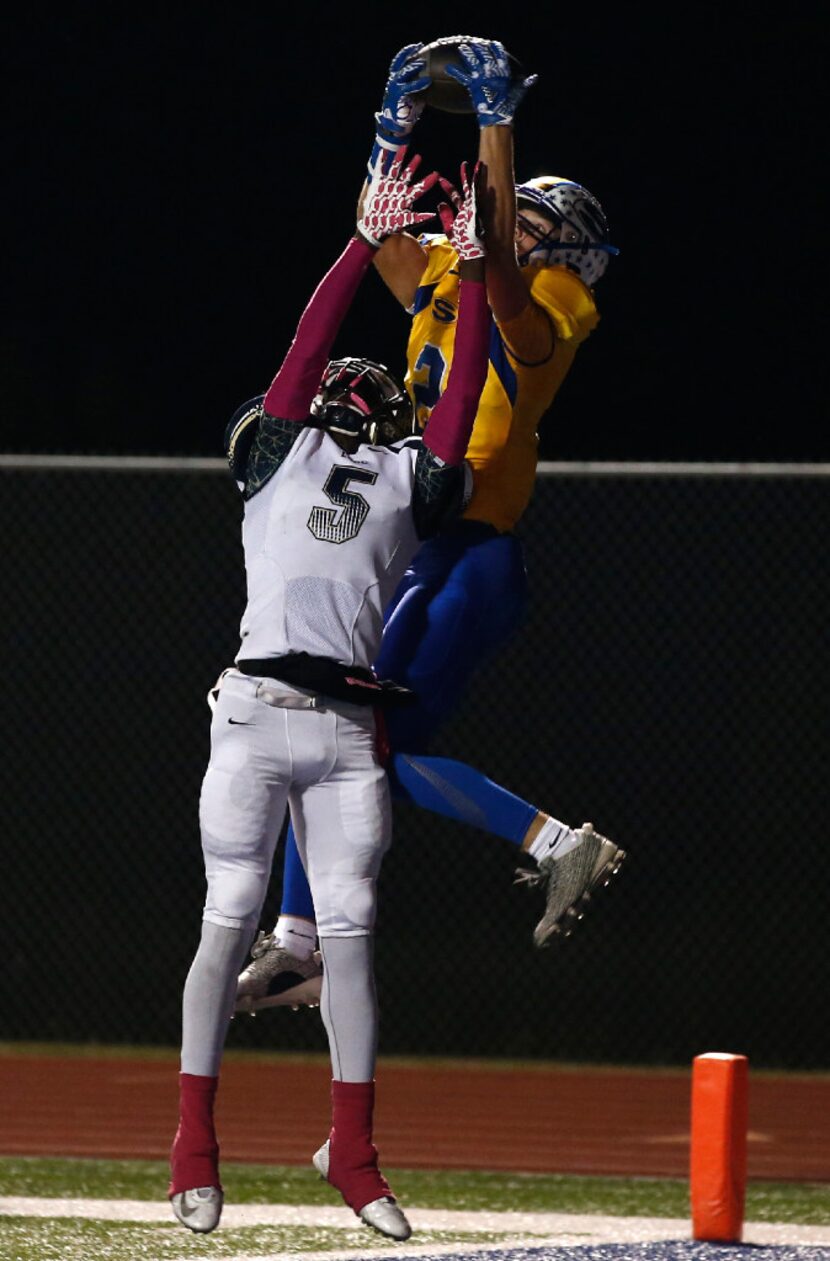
point(360, 401)
point(567, 205)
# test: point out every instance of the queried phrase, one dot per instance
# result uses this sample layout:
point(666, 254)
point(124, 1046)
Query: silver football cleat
point(386, 1218)
point(569, 881)
point(320, 1160)
point(199, 1210)
point(383, 1215)
point(277, 978)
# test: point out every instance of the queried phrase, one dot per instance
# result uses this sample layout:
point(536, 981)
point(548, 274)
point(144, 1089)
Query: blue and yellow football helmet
point(565, 202)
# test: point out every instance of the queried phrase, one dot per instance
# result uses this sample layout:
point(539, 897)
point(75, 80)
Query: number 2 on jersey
point(427, 393)
point(327, 524)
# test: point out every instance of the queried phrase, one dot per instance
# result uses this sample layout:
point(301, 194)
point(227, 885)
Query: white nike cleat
point(320, 1160)
point(386, 1218)
point(199, 1210)
point(383, 1215)
point(277, 978)
point(569, 881)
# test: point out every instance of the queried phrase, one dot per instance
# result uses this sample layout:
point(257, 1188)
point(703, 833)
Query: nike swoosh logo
point(550, 843)
point(236, 722)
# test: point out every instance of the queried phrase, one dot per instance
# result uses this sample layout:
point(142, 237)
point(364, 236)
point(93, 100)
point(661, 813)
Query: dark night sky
point(180, 181)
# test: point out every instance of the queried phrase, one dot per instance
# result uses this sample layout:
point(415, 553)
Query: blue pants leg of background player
point(459, 603)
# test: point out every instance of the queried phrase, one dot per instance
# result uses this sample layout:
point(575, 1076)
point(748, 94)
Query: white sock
point(554, 840)
point(299, 936)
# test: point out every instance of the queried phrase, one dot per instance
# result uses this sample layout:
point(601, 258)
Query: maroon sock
point(353, 1157)
point(194, 1160)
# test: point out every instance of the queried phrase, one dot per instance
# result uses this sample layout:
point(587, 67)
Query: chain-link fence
point(670, 685)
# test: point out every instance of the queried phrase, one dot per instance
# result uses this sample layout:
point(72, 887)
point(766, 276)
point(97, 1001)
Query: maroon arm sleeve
point(291, 392)
point(451, 422)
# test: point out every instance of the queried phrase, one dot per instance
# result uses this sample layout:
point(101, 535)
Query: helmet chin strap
point(540, 253)
point(527, 257)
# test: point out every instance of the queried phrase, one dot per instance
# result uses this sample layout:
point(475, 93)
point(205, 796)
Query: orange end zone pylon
point(718, 1153)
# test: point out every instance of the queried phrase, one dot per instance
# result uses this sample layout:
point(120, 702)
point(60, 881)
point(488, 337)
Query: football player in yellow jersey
point(524, 373)
point(464, 594)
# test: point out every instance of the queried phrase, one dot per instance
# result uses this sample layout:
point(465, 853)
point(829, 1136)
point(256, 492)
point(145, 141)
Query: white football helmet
point(566, 203)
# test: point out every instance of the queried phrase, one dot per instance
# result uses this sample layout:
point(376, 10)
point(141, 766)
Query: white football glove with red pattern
point(464, 228)
point(388, 200)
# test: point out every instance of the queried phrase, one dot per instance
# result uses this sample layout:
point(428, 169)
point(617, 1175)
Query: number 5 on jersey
point(327, 524)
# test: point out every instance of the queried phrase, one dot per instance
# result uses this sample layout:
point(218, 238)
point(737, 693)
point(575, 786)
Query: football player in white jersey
point(332, 517)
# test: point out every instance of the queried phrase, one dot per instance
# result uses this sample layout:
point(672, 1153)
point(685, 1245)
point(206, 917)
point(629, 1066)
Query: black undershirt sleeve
point(438, 495)
point(258, 447)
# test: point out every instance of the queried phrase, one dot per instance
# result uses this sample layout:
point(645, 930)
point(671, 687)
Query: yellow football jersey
point(516, 394)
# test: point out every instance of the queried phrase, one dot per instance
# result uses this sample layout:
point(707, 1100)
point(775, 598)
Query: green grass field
point(67, 1239)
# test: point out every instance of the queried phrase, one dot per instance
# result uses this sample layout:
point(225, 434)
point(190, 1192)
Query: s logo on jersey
point(443, 311)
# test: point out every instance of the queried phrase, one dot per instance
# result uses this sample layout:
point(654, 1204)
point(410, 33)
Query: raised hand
point(390, 195)
point(402, 106)
point(494, 92)
point(464, 228)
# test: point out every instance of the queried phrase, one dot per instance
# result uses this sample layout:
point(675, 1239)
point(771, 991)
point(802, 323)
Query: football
point(445, 93)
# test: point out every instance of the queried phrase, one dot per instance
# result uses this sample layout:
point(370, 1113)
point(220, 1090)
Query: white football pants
point(323, 763)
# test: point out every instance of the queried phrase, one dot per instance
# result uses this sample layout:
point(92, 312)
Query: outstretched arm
point(496, 96)
point(506, 288)
point(387, 208)
point(400, 261)
point(450, 424)
point(440, 473)
point(291, 392)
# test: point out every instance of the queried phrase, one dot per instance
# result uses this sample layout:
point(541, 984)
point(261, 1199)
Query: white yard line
point(559, 1228)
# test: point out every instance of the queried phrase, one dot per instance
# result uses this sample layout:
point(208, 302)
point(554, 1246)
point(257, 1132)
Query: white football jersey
point(327, 540)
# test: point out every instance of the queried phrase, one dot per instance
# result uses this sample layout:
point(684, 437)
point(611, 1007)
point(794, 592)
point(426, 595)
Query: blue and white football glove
point(494, 92)
point(401, 109)
point(402, 105)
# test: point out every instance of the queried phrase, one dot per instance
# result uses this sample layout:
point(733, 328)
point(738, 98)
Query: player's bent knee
point(234, 898)
point(348, 910)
